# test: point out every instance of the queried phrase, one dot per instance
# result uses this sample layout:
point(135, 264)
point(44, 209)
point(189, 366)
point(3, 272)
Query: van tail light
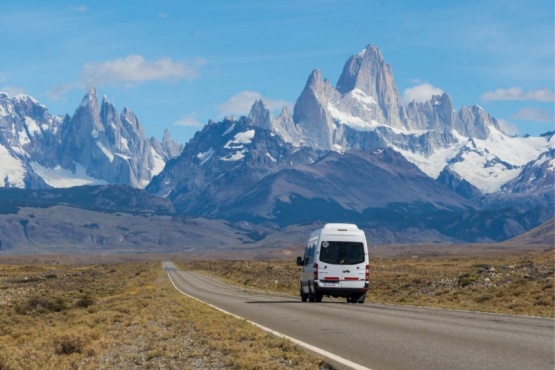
point(315, 271)
point(367, 273)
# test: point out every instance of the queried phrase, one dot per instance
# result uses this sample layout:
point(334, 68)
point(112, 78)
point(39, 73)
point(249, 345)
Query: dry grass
point(510, 284)
point(124, 316)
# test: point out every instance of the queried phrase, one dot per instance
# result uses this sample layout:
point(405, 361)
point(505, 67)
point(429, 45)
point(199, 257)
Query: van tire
point(304, 297)
point(361, 298)
point(356, 298)
point(311, 296)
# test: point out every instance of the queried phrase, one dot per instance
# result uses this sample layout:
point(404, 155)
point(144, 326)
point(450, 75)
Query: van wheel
point(355, 298)
point(361, 298)
point(318, 297)
point(311, 296)
point(304, 297)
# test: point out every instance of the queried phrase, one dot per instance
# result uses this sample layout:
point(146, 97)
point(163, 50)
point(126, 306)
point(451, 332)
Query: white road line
point(310, 347)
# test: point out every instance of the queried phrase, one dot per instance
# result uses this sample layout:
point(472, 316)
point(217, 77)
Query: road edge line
point(310, 347)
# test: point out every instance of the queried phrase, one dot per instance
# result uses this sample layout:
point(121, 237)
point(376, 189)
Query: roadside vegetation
point(509, 284)
point(125, 315)
point(128, 315)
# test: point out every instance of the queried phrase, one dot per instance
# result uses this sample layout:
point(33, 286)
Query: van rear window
point(342, 253)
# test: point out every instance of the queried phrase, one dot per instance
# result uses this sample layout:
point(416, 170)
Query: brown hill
point(541, 235)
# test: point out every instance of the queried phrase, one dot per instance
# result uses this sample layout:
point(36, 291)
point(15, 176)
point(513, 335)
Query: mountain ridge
point(353, 152)
point(93, 146)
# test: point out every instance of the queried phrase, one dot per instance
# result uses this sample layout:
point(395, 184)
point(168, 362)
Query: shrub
point(467, 279)
point(84, 302)
point(68, 344)
point(483, 298)
point(39, 304)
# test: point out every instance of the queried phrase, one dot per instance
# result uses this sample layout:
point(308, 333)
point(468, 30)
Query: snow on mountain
point(490, 163)
point(94, 146)
point(354, 151)
point(12, 171)
point(283, 125)
point(364, 111)
point(59, 177)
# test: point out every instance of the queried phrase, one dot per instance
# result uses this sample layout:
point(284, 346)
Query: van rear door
point(353, 263)
point(344, 263)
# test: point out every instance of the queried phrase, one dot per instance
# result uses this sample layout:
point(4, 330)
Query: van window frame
point(341, 258)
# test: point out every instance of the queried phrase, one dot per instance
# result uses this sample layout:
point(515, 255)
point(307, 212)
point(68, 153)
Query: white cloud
point(241, 103)
point(134, 69)
point(421, 93)
point(534, 114)
point(188, 121)
point(13, 90)
point(507, 127)
point(58, 92)
point(516, 93)
point(78, 8)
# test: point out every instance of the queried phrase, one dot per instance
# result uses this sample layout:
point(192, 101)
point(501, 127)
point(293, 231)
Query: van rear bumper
point(338, 291)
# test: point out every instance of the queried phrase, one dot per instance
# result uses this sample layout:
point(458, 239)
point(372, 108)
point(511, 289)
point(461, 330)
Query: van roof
point(341, 226)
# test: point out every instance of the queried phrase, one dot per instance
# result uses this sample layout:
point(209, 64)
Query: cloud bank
point(134, 69)
point(188, 121)
point(421, 93)
point(516, 93)
point(241, 103)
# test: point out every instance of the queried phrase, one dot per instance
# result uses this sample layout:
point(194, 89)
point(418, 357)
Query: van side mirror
point(299, 261)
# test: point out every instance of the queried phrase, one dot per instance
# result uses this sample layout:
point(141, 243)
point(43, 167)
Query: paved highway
point(386, 336)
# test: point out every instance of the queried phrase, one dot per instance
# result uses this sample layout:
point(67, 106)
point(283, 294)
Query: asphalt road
point(386, 336)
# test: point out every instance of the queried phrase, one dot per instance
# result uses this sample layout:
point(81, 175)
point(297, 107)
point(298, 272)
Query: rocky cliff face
point(365, 112)
point(95, 145)
point(220, 163)
point(28, 132)
point(283, 125)
point(368, 76)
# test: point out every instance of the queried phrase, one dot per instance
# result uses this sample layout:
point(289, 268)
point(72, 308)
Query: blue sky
point(177, 64)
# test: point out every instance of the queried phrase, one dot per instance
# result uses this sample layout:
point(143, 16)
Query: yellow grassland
point(125, 316)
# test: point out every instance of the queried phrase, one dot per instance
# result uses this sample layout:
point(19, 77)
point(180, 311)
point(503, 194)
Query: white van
point(335, 263)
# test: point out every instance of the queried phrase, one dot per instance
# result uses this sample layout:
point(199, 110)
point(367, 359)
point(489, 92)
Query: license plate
point(330, 283)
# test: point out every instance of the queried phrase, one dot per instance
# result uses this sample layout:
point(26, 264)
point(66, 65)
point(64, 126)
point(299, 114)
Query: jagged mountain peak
point(28, 99)
point(285, 111)
point(315, 77)
point(94, 145)
point(90, 97)
point(363, 71)
point(284, 125)
point(260, 115)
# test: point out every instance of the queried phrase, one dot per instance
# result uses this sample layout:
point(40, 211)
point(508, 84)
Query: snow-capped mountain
point(355, 152)
point(94, 146)
point(238, 171)
point(349, 153)
point(364, 111)
point(220, 162)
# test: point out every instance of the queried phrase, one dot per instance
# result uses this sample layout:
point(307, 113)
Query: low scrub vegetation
point(124, 315)
point(510, 284)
